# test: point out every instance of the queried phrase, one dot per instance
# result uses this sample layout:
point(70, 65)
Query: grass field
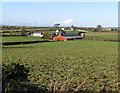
point(102, 35)
point(19, 38)
point(86, 63)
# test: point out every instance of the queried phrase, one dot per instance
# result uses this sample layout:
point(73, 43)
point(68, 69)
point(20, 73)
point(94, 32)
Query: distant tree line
point(55, 27)
point(21, 32)
point(5, 27)
point(100, 28)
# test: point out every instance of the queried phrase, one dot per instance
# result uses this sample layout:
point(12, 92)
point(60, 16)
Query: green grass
point(54, 63)
point(19, 38)
point(102, 35)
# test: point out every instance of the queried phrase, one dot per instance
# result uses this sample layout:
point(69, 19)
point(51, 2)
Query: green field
point(102, 35)
point(19, 38)
point(70, 63)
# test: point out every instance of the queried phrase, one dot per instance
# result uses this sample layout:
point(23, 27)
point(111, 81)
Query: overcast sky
point(66, 13)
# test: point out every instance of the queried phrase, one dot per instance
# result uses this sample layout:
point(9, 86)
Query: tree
point(12, 75)
point(72, 27)
point(57, 25)
point(99, 28)
point(95, 30)
point(23, 31)
point(46, 35)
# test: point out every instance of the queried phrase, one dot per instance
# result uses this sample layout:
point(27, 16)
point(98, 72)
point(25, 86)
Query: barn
point(67, 35)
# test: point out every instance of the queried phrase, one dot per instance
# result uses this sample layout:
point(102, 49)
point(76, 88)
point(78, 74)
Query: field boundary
point(25, 42)
point(31, 42)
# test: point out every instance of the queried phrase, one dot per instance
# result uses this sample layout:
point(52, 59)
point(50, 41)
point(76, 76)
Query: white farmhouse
point(38, 34)
point(62, 28)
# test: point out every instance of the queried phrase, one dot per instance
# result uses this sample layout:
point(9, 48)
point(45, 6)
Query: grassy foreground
point(74, 64)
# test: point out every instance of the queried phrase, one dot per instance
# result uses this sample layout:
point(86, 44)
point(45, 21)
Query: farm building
point(68, 35)
point(37, 34)
point(59, 38)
